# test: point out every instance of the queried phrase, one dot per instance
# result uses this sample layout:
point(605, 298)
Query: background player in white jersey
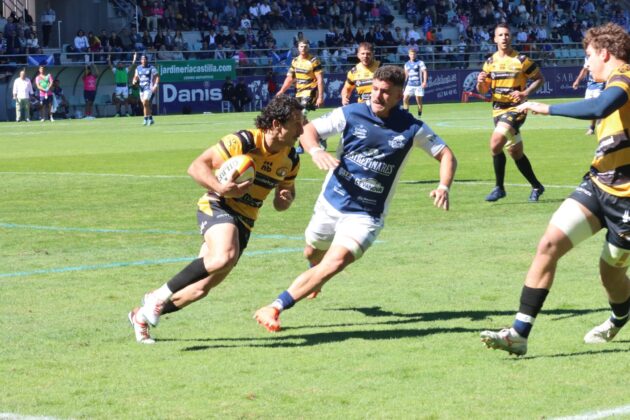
point(148, 79)
point(417, 76)
point(593, 89)
point(376, 139)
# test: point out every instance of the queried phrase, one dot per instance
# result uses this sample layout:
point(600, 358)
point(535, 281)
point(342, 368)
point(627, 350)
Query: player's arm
point(606, 103)
point(320, 89)
point(109, 63)
point(346, 92)
point(133, 62)
point(483, 82)
point(425, 78)
point(202, 171)
point(579, 78)
point(448, 165)
point(520, 95)
point(322, 128)
point(156, 82)
point(284, 197)
point(288, 81)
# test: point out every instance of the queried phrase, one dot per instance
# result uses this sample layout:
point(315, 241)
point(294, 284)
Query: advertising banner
point(196, 70)
point(185, 96)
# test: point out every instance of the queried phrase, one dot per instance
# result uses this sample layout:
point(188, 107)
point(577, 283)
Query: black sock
point(620, 313)
point(532, 301)
point(169, 307)
point(499, 168)
point(525, 167)
point(193, 272)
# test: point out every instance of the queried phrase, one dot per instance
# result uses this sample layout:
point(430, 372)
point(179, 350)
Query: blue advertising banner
point(443, 86)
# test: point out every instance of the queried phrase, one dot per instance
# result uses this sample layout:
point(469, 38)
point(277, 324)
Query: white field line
point(140, 176)
point(14, 416)
point(599, 414)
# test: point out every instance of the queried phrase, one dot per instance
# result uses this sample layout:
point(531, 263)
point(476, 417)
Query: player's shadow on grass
point(283, 340)
point(404, 318)
point(289, 337)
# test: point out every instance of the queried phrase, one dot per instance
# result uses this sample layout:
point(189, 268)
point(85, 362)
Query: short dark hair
point(610, 36)
point(280, 109)
point(392, 74)
point(366, 46)
point(504, 26)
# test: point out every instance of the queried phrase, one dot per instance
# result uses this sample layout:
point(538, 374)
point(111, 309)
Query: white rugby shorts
point(413, 91)
point(121, 92)
point(356, 232)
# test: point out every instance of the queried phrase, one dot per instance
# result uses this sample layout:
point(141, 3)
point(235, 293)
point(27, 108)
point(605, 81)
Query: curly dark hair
point(279, 108)
point(391, 74)
point(610, 36)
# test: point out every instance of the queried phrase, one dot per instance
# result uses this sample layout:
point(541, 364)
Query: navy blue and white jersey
point(372, 151)
point(591, 84)
point(146, 76)
point(414, 72)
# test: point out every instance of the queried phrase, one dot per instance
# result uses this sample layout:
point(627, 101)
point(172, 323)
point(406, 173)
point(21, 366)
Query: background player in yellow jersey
point(360, 76)
point(601, 201)
point(227, 212)
point(506, 73)
point(307, 73)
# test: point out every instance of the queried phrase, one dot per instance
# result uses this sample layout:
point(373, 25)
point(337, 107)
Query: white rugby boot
point(507, 339)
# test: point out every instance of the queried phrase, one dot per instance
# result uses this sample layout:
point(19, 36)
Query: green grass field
point(95, 213)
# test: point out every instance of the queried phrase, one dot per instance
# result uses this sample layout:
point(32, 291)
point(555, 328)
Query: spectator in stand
point(80, 44)
point(47, 19)
point(32, 45)
point(43, 83)
point(135, 40)
point(413, 34)
point(147, 40)
point(359, 36)
point(386, 13)
point(159, 39)
point(399, 37)
point(154, 16)
point(95, 45)
point(22, 91)
point(90, 78)
point(3, 44)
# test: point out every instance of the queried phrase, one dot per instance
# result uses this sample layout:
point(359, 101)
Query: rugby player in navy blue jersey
point(376, 139)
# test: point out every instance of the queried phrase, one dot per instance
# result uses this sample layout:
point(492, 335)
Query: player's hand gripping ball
point(239, 169)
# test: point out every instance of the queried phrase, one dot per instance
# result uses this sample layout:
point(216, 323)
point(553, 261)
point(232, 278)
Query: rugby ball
point(239, 169)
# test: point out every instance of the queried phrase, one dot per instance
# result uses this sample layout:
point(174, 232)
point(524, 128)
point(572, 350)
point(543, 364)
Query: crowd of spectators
point(242, 29)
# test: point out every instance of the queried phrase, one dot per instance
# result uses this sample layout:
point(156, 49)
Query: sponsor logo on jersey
point(360, 132)
point(369, 160)
point(397, 142)
point(282, 172)
point(369, 184)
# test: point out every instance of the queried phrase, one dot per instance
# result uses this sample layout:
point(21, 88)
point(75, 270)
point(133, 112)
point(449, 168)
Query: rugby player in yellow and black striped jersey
point(227, 212)
point(360, 76)
point(307, 73)
point(601, 201)
point(506, 72)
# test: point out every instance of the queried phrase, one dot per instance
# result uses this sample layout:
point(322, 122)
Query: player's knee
point(549, 247)
point(222, 262)
point(615, 257)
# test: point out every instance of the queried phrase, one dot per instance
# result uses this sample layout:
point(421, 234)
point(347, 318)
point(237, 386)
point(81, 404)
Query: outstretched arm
point(605, 104)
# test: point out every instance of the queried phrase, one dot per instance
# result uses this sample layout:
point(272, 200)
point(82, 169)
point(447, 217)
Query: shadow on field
point(376, 311)
point(303, 340)
point(289, 337)
point(580, 353)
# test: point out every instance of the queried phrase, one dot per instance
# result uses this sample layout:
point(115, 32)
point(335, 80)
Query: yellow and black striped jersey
point(610, 168)
point(508, 74)
point(272, 170)
point(303, 70)
point(360, 77)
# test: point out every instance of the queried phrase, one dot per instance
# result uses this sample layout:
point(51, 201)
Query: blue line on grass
point(136, 263)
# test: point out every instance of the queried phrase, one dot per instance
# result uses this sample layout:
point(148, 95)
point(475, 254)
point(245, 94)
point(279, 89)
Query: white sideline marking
point(599, 414)
point(13, 416)
point(82, 174)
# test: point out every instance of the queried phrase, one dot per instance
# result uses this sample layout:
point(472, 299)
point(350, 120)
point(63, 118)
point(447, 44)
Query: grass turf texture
point(95, 213)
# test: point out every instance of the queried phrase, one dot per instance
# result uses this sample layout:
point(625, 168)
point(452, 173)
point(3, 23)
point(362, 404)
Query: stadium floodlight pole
point(59, 33)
